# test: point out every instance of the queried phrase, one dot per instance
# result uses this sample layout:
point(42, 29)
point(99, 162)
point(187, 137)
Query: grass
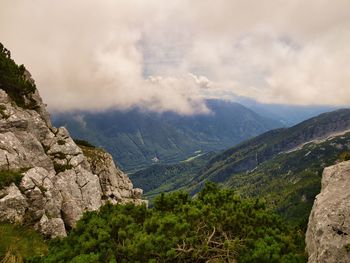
point(9, 177)
point(18, 243)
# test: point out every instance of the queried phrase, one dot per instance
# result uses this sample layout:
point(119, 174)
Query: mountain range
point(137, 138)
point(284, 165)
point(287, 114)
point(71, 189)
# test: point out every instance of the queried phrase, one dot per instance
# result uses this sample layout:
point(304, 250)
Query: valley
point(283, 166)
point(174, 131)
point(137, 138)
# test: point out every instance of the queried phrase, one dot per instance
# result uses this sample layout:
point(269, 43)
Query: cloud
point(170, 56)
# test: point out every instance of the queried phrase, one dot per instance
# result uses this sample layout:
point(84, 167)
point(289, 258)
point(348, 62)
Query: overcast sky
point(171, 55)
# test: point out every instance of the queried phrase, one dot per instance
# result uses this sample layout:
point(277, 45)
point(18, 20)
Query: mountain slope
point(138, 139)
point(283, 166)
point(160, 178)
point(290, 115)
point(248, 155)
point(47, 181)
point(291, 180)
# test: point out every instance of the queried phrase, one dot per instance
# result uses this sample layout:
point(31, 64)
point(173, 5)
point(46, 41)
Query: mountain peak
point(46, 179)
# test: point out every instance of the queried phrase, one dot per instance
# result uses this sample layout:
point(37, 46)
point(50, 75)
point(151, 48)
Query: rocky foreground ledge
point(328, 233)
point(60, 179)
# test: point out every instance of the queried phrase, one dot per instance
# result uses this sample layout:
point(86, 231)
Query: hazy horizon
point(172, 56)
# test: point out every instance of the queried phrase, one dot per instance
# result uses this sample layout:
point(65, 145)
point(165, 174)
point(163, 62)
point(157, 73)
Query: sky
point(173, 55)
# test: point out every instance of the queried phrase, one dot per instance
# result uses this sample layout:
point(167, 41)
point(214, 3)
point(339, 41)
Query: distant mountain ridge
point(289, 115)
point(248, 155)
point(138, 139)
point(283, 166)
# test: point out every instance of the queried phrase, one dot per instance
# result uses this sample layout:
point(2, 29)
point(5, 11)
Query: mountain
point(137, 138)
point(288, 114)
point(284, 166)
point(250, 154)
point(47, 181)
point(290, 181)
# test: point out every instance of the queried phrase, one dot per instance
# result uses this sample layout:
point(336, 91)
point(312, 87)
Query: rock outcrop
point(59, 181)
point(328, 233)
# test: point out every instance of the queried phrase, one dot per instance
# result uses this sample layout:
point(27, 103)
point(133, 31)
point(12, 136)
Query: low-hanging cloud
point(170, 56)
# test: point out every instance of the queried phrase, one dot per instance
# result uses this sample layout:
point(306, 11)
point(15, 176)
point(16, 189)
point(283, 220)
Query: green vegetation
point(60, 155)
point(2, 111)
point(61, 142)
point(14, 81)
point(347, 248)
point(250, 154)
point(137, 138)
point(62, 167)
point(93, 154)
point(345, 156)
point(8, 177)
point(288, 181)
point(160, 178)
point(19, 243)
point(216, 226)
point(83, 143)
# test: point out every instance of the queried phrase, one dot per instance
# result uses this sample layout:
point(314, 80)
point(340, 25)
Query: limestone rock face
point(328, 232)
point(60, 182)
point(12, 205)
point(115, 186)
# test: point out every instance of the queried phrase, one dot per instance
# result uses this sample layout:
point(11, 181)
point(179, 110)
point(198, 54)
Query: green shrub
point(62, 167)
point(60, 155)
point(61, 142)
point(217, 225)
point(8, 177)
point(14, 81)
point(84, 143)
point(347, 248)
point(2, 111)
point(345, 156)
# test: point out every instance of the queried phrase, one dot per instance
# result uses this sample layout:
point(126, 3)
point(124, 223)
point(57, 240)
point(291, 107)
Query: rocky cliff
point(328, 233)
point(58, 182)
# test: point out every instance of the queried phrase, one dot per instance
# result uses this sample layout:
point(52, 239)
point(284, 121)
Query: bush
point(345, 156)
point(8, 177)
point(217, 225)
point(84, 143)
point(14, 81)
point(61, 142)
point(62, 167)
